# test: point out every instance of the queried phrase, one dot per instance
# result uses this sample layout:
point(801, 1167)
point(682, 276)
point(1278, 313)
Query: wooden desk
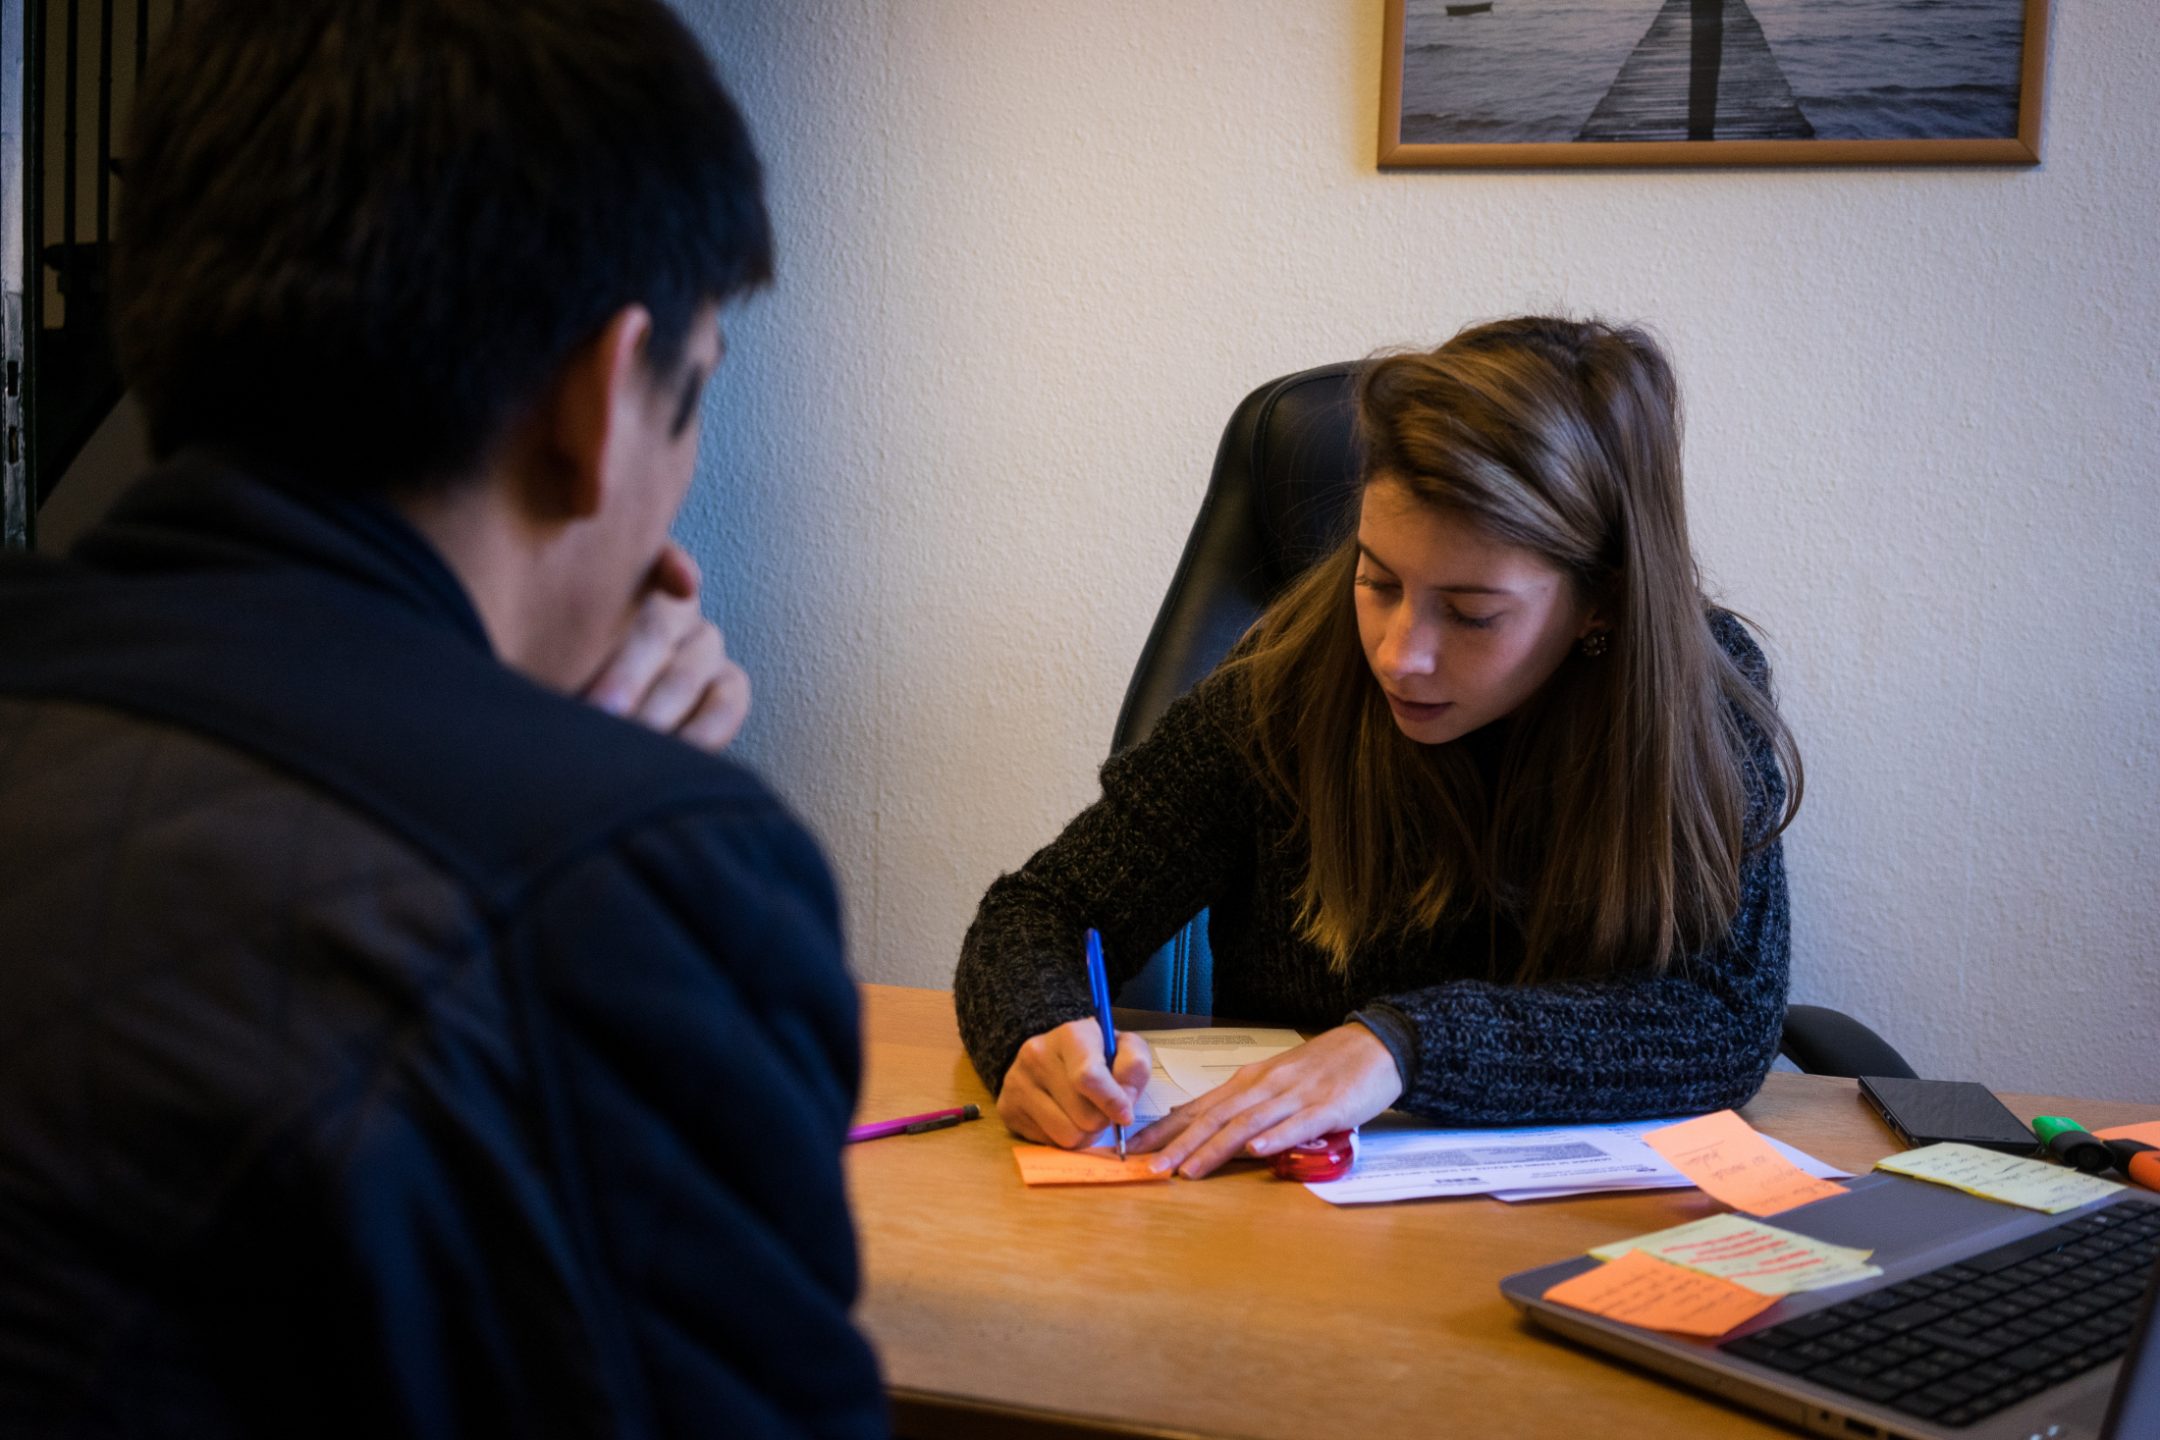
point(1241, 1305)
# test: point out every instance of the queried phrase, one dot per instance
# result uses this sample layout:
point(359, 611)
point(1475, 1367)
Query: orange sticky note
point(1723, 1155)
point(2145, 1130)
point(1640, 1289)
point(1044, 1165)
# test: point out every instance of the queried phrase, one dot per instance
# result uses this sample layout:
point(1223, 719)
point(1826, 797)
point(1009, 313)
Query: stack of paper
point(1405, 1162)
point(1399, 1159)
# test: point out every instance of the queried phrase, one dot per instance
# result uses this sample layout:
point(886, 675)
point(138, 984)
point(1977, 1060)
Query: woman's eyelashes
point(1386, 587)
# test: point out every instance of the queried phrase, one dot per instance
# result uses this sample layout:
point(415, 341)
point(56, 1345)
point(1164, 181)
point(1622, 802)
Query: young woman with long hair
point(1489, 799)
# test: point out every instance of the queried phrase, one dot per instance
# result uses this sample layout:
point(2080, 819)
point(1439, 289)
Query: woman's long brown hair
point(1611, 830)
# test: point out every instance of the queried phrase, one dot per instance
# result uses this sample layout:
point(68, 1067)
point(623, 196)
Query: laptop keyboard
point(1959, 1343)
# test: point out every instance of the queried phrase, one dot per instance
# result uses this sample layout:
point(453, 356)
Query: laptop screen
point(2135, 1410)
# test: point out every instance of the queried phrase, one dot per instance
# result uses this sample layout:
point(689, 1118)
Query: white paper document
point(1399, 1161)
point(1673, 1179)
point(1189, 1063)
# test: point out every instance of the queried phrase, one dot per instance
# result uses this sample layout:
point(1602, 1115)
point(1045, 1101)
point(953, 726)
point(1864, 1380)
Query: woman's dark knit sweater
point(1186, 822)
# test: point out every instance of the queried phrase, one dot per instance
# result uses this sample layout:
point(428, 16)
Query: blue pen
point(1100, 984)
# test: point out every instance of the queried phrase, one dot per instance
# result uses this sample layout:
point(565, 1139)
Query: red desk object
point(1326, 1157)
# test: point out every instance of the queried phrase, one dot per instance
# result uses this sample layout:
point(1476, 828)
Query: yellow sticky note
point(1992, 1175)
point(2145, 1130)
point(1043, 1165)
point(1747, 1252)
point(1729, 1161)
point(1640, 1289)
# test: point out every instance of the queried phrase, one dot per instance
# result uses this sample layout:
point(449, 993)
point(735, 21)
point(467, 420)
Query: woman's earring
point(1596, 643)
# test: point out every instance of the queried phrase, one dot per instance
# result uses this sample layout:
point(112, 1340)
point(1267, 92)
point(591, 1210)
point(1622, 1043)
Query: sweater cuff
point(1393, 1029)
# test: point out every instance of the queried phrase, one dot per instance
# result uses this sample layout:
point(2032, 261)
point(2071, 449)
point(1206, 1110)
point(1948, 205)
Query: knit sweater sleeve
point(1171, 829)
point(1700, 1036)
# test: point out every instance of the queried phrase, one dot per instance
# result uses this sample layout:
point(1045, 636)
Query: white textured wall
point(1033, 252)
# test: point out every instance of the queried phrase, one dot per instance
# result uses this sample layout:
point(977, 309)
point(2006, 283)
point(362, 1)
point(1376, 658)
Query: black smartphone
point(1926, 1111)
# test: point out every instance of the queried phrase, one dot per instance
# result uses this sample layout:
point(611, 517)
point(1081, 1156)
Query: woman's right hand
point(1059, 1092)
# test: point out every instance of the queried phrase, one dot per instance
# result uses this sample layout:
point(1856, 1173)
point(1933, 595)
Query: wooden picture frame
point(1701, 67)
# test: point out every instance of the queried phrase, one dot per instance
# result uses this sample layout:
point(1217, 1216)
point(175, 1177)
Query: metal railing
point(16, 507)
point(72, 69)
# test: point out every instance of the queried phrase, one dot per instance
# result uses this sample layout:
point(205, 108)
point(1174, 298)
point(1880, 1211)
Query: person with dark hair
point(393, 1042)
point(1489, 800)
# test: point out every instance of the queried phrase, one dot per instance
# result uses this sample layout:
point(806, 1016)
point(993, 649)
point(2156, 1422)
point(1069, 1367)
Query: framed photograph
point(1712, 82)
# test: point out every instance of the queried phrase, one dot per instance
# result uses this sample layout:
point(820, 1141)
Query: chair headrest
point(1293, 442)
point(1285, 476)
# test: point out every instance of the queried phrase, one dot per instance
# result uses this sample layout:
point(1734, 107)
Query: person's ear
point(592, 413)
point(1596, 614)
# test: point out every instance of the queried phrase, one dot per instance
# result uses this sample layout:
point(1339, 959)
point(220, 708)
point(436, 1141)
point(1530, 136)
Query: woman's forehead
point(1442, 548)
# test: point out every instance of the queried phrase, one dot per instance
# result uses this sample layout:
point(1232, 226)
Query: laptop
point(1989, 1322)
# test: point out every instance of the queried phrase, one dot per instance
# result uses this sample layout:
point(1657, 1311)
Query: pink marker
point(913, 1124)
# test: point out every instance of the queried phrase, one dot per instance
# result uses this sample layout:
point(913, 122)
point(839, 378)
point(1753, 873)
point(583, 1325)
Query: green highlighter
point(2072, 1144)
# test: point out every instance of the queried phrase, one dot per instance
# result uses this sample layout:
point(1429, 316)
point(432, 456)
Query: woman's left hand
point(1334, 1081)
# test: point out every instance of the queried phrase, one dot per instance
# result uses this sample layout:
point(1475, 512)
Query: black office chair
point(1285, 476)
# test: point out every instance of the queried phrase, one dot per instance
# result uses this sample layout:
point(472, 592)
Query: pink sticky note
point(1043, 1165)
point(1724, 1155)
point(1640, 1289)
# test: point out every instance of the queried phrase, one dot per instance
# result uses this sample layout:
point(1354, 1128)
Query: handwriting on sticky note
point(1747, 1252)
point(1640, 1289)
point(1041, 1165)
point(1729, 1161)
point(1992, 1175)
point(2145, 1130)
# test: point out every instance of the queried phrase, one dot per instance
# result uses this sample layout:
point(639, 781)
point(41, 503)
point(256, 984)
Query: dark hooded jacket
point(388, 1045)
